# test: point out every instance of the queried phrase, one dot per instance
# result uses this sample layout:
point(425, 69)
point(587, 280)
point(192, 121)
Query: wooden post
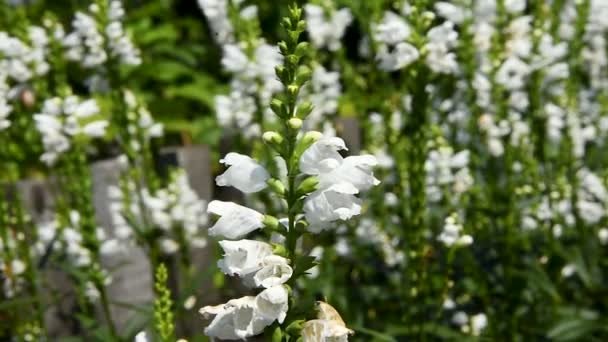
point(350, 130)
point(195, 160)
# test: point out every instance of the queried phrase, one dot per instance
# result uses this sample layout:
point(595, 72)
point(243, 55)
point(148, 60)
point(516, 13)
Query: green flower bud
point(271, 137)
point(277, 335)
point(295, 123)
point(304, 109)
point(308, 185)
point(281, 72)
point(303, 75)
point(302, 49)
point(283, 48)
point(293, 90)
point(295, 327)
point(286, 23)
point(279, 249)
point(301, 26)
point(311, 137)
point(292, 60)
point(271, 222)
point(276, 186)
point(277, 107)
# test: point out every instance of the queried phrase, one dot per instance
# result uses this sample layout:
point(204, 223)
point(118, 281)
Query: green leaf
point(378, 336)
point(572, 329)
point(277, 335)
point(303, 264)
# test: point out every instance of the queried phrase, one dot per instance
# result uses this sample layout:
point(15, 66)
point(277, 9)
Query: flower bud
point(295, 327)
point(311, 137)
point(283, 47)
point(293, 90)
point(276, 186)
point(271, 222)
point(279, 249)
point(277, 107)
point(286, 23)
point(301, 26)
point(294, 123)
point(303, 75)
point(308, 185)
point(304, 109)
point(302, 48)
point(272, 137)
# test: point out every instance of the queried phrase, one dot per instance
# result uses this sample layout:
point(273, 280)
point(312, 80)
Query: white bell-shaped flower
point(275, 271)
point(243, 257)
point(319, 330)
point(328, 326)
point(238, 319)
point(334, 203)
point(235, 220)
point(272, 303)
point(355, 170)
point(322, 156)
point(243, 173)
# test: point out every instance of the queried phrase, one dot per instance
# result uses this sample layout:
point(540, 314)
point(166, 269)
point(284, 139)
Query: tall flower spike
point(316, 183)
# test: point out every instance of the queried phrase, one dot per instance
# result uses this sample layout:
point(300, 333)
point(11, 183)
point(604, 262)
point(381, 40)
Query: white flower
point(238, 319)
point(141, 337)
point(326, 31)
point(272, 303)
point(512, 73)
point(235, 220)
point(243, 257)
point(568, 270)
point(168, 246)
point(95, 129)
point(323, 160)
point(478, 323)
point(392, 29)
point(322, 156)
point(334, 203)
point(602, 235)
point(17, 267)
point(328, 327)
point(402, 55)
point(354, 170)
point(247, 316)
point(450, 11)
point(275, 271)
point(243, 173)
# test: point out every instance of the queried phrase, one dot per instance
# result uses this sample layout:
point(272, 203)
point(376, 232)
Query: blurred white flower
point(326, 29)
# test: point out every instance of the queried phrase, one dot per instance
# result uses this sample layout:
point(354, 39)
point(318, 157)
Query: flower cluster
point(326, 29)
point(100, 35)
point(25, 59)
point(173, 216)
point(61, 120)
point(447, 171)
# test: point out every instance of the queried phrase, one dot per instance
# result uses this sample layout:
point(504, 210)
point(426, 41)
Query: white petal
point(275, 271)
point(243, 257)
point(235, 220)
point(322, 156)
point(272, 303)
point(244, 173)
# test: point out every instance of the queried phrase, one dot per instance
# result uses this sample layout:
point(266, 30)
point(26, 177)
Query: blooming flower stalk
point(319, 187)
